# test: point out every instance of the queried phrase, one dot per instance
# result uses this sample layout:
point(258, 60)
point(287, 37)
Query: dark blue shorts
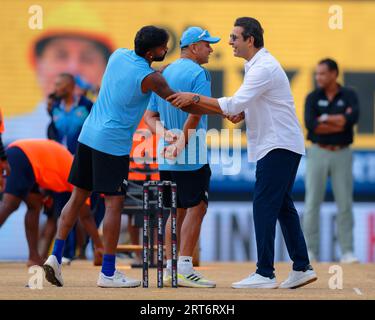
point(22, 179)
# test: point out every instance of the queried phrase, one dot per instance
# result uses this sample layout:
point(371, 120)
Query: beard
point(159, 58)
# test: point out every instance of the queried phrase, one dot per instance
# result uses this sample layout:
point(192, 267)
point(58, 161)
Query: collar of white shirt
point(256, 57)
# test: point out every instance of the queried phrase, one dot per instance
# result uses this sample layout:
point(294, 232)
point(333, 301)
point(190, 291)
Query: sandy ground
point(80, 283)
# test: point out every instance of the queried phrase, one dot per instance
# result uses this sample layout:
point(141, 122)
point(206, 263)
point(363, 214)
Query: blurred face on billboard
point(240, 46)
point(77, 56)
point(324, 77)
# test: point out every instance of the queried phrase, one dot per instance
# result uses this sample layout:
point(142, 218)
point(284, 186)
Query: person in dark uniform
point(331, 112)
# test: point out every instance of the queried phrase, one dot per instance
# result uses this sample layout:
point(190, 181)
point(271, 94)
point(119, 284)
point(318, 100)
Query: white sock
point(185, 264)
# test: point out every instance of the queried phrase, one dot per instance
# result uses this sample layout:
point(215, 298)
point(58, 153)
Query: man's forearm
point(154, 123)
point(191, 123)
point(337, 120)
point(206, 105)
point(327, 128)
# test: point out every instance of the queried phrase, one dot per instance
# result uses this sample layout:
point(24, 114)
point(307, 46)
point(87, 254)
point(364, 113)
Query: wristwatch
point(196, 98)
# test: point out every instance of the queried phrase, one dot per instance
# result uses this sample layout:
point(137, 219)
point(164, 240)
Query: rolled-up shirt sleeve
point(255, 83)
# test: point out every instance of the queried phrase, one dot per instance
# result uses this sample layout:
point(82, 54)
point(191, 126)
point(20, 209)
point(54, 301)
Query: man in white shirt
point(275, 142)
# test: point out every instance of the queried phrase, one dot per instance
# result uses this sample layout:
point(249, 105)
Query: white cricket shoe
point(52, 269)
point(297, 279)
point(348, 257)
point(256, 281)
point(118, 280)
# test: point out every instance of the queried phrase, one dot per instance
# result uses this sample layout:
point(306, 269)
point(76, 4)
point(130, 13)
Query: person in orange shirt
point(144, 147)
point(38, 165)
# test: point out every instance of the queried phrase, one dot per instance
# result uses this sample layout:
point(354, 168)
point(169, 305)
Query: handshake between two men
point(197, 105)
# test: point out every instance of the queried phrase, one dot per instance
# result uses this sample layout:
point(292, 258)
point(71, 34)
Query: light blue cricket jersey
point(183, 75)
point(120, 105)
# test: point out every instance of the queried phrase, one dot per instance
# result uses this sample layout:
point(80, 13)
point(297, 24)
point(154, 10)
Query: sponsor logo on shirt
point(340, 103)
point(323, 103)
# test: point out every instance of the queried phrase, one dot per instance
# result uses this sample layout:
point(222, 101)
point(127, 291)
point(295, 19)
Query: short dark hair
point(331, 64)
point(149, 37)
point(68, 76)
point(252, 28)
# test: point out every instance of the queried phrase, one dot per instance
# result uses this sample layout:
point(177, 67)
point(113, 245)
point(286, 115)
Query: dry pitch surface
point(80, 283)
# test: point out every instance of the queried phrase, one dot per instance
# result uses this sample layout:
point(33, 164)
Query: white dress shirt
point(266, 99)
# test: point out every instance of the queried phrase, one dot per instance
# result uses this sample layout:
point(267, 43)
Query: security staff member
point(331, 111)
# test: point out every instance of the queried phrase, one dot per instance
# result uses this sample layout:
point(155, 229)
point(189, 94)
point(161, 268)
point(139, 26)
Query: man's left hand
point(172, 151)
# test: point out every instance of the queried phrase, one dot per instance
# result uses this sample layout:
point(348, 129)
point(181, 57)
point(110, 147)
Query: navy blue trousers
point(275, 175)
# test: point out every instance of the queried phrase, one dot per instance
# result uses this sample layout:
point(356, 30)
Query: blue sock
point(58, 249)
point(108, 266)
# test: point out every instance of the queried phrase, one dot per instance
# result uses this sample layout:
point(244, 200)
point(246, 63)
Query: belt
point(332, 147)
